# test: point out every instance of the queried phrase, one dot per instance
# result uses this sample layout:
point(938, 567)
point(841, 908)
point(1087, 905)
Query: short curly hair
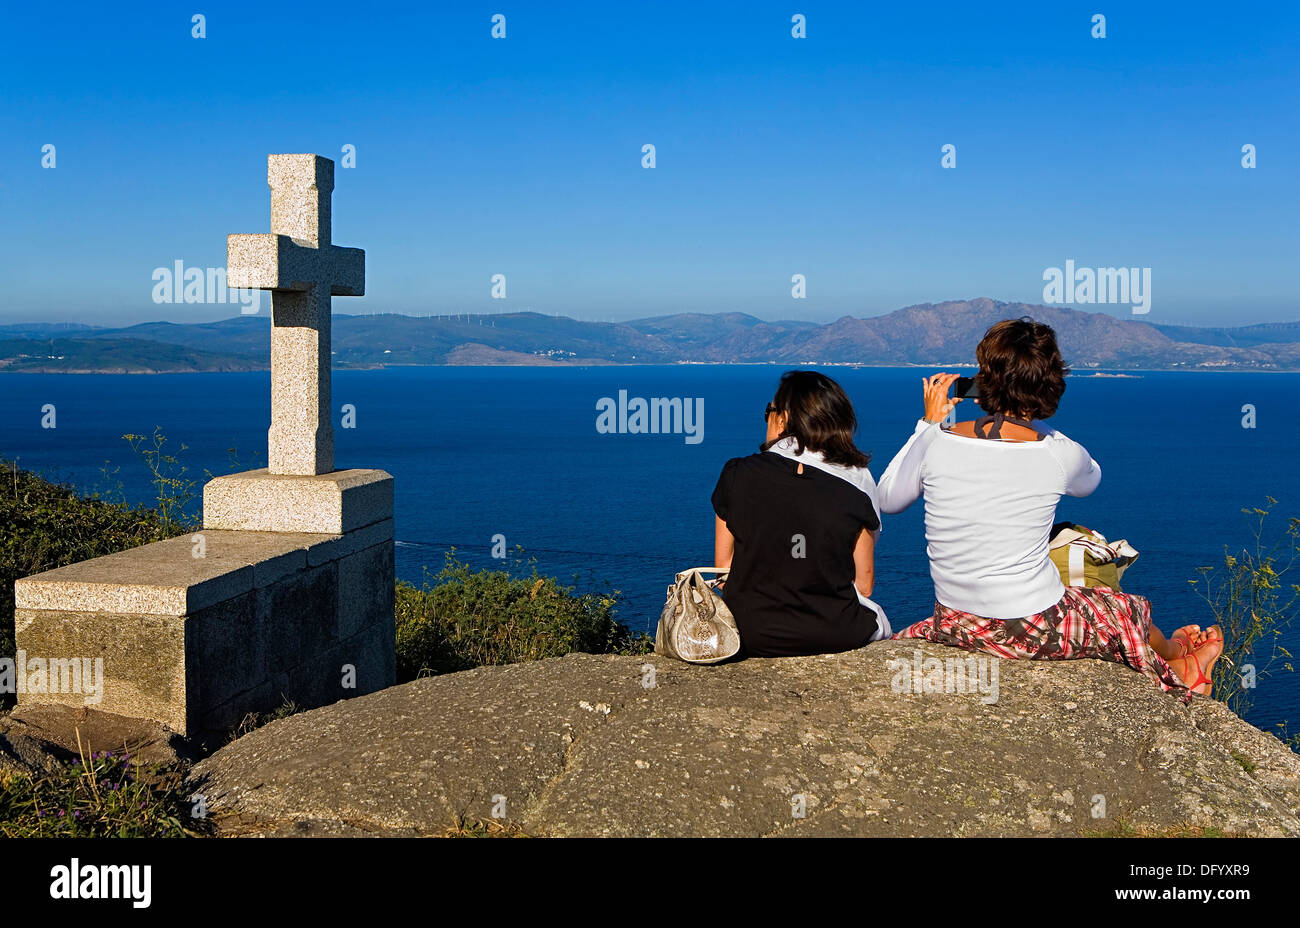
point(1021, 372)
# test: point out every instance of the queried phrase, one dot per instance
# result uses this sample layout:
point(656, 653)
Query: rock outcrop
point(41, 739)
point(584, 745)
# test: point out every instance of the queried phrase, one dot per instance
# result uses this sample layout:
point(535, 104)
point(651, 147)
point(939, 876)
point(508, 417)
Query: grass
point(475, 828)
point(1122, 828)
point(255, 720)
point(102, 795)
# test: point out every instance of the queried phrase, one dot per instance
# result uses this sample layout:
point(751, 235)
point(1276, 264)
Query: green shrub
point(469, 618)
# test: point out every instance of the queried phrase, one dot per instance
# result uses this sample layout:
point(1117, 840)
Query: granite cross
point(302, 269)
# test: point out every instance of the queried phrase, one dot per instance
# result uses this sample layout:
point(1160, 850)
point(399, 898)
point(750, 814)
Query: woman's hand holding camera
point(937, 402)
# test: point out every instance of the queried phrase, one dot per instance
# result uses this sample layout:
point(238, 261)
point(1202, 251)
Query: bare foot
point(1202, 649)
point(1188, 638)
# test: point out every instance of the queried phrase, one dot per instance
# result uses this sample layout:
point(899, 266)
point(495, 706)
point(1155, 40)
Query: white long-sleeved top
point(989, 510)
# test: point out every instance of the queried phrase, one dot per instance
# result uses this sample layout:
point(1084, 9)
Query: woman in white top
point(990, 488)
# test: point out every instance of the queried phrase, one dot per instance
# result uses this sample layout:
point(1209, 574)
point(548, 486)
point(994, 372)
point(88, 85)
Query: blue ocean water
point(478, 452)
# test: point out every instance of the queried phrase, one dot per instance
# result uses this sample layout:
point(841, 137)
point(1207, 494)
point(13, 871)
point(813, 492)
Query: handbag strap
point(701, 570)
point(1074, 560)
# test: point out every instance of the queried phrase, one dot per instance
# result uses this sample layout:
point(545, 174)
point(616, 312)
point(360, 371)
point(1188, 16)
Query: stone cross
point(302, 268)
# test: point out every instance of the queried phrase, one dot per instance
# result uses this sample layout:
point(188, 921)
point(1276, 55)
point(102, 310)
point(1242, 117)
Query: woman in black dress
point(797, 524)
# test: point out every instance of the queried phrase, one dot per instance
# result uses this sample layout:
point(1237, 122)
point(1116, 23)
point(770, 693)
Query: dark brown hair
point(1020, 369)
point(820, 417)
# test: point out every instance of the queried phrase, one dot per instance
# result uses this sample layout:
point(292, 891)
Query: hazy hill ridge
point(925, 334)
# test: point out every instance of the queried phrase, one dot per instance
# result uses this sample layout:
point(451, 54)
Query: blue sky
point(775, 155)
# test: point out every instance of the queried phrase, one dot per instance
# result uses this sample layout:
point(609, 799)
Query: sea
point(482, 455)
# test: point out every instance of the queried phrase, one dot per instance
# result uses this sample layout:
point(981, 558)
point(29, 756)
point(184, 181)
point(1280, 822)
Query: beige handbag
point(1085, 558)
point(696, 626)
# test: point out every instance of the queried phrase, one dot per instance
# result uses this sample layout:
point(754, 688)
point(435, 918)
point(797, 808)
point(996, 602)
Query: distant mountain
point(925, 334)
point(240, 335)
point(113, 356)
point(385, 339)
point(45, 330)
point(1246, 336)
point(722, 336)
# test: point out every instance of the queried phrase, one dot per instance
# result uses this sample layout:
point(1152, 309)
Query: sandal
point(1183, 637)
point(1200, 673)
point(1212, 634)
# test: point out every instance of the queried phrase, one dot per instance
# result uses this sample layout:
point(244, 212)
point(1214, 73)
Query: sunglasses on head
point(771, 408)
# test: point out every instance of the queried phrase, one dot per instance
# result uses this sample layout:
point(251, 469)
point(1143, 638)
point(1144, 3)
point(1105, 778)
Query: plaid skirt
point(1095, 622)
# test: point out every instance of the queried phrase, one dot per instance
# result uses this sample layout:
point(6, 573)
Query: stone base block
point(195, 632)
point(333, 503)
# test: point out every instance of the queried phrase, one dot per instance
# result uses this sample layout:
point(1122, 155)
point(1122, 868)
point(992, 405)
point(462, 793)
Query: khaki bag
point(1086, 558)
point(696, 626)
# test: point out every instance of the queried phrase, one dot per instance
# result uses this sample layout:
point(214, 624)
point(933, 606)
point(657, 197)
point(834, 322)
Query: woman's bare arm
point(864, 562)
point(724, 545)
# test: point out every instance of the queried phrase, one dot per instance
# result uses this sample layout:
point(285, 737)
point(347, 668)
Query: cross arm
point(346, 271)
point(266, 261)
